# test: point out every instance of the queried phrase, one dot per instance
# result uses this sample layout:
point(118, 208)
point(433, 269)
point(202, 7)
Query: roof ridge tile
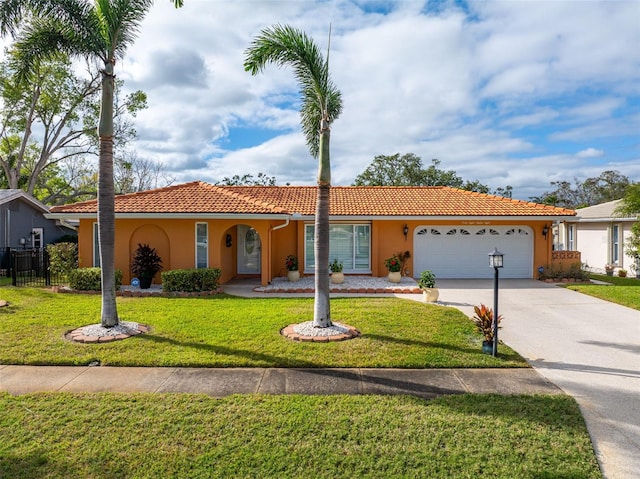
point(201, 197)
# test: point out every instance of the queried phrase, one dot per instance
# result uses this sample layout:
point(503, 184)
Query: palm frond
point(11, 15)
point(284, 45)
point(119, 22)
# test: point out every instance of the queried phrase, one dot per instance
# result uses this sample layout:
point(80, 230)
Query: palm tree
point(321, 104)
point(100, 31)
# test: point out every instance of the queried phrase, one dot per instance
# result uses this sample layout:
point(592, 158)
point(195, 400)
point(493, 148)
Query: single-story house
point(250, 230)
point(600, 236)
point(23, 224)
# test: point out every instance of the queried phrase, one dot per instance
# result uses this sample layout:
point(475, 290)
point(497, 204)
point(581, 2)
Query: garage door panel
point(462, 251)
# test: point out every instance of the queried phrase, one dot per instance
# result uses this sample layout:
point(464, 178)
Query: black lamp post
point(495, 262)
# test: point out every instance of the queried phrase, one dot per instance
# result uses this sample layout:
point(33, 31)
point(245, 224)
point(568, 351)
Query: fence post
point(14, 268)
point(45, 265)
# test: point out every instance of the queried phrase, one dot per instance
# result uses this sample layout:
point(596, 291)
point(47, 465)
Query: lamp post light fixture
point(405, 230)
point(496, 262)
point(545, 231)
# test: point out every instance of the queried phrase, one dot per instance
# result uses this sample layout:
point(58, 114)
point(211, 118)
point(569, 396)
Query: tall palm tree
point(321, 104)
point(100, 31)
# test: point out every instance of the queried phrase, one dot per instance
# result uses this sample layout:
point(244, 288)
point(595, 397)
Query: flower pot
point(609, 272)
point(487, 347)
point(145, 280)
point(337, 278)
point(293, 276)
point(431, 294)
point(394, 276)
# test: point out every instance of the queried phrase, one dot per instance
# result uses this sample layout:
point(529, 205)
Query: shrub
point(336, 266)
point(191, 280)
point(484, 321)
point(88, 279)
point(393, 264)
point(427, 280)
point(291, 263)
point(63, 258)
point(67, 239)
point(146, 261)
point(557, 272)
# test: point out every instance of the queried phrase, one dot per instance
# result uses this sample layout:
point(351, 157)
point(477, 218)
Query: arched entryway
point(155, 237)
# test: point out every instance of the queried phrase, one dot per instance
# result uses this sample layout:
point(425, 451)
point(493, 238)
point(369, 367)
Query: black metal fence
point(29, 267)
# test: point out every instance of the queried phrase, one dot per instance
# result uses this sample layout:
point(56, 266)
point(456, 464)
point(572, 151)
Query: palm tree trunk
point(322, 308)
point(106, 201)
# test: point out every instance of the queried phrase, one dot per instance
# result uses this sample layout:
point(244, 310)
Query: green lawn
point(624, 291)
point(226, 331)
point(187, 436)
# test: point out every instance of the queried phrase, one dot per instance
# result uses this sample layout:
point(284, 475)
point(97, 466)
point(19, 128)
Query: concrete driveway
point(588, 347)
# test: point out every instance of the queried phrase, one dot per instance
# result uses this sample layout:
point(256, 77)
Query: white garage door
point(463, 251)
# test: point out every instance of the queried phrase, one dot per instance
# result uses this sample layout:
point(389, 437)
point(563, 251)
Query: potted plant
point(608, 269)
point(146, 263)
point(483, 320)
point(291, 263)
point(394, 266)
point(635, 267)
point(622, 273)
point(404, 258)
point(337, 276)
point(427, 283)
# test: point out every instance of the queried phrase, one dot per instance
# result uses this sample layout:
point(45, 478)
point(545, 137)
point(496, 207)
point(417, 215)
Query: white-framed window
point(571, 242)
point(202, 245)
point(96, 246)
point(615, 244)
point(348, 243)
point(37, 238)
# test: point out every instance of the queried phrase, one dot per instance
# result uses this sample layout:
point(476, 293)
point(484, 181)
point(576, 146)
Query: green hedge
point(88, 279)
point(191, 280)
point(558, 272)
point(63, 257)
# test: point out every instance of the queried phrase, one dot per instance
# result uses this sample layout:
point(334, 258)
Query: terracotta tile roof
point(199, 197)
point(399, 201)
point(194, 197)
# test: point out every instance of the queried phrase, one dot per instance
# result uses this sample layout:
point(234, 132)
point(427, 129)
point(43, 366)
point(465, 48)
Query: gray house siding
point(21, 216)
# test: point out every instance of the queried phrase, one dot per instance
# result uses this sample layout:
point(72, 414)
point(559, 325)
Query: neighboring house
point(23, 224)
point(599, 235)
point(249, 230)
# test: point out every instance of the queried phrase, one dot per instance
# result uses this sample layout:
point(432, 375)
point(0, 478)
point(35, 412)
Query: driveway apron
point(588, 347)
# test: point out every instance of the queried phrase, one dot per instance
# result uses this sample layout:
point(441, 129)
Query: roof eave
point(438, 217)
point(201, 216)
point(606, 219)
point(28, 198)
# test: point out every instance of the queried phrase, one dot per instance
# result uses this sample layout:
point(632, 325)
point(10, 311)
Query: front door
point(249, 248)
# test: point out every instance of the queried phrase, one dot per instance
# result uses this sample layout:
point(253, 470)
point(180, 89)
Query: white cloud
point(499, 95)
point(590, 153)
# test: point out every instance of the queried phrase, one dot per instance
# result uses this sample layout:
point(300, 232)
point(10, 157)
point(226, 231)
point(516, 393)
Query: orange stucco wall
point(175, 241)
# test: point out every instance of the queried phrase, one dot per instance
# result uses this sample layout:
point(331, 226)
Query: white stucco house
point(600, 236)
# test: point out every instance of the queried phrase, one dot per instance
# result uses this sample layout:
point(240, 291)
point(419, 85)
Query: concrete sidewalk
point(424, 383)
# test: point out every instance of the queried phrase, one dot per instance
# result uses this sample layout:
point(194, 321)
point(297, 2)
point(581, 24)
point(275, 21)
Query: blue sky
point(516, 93)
